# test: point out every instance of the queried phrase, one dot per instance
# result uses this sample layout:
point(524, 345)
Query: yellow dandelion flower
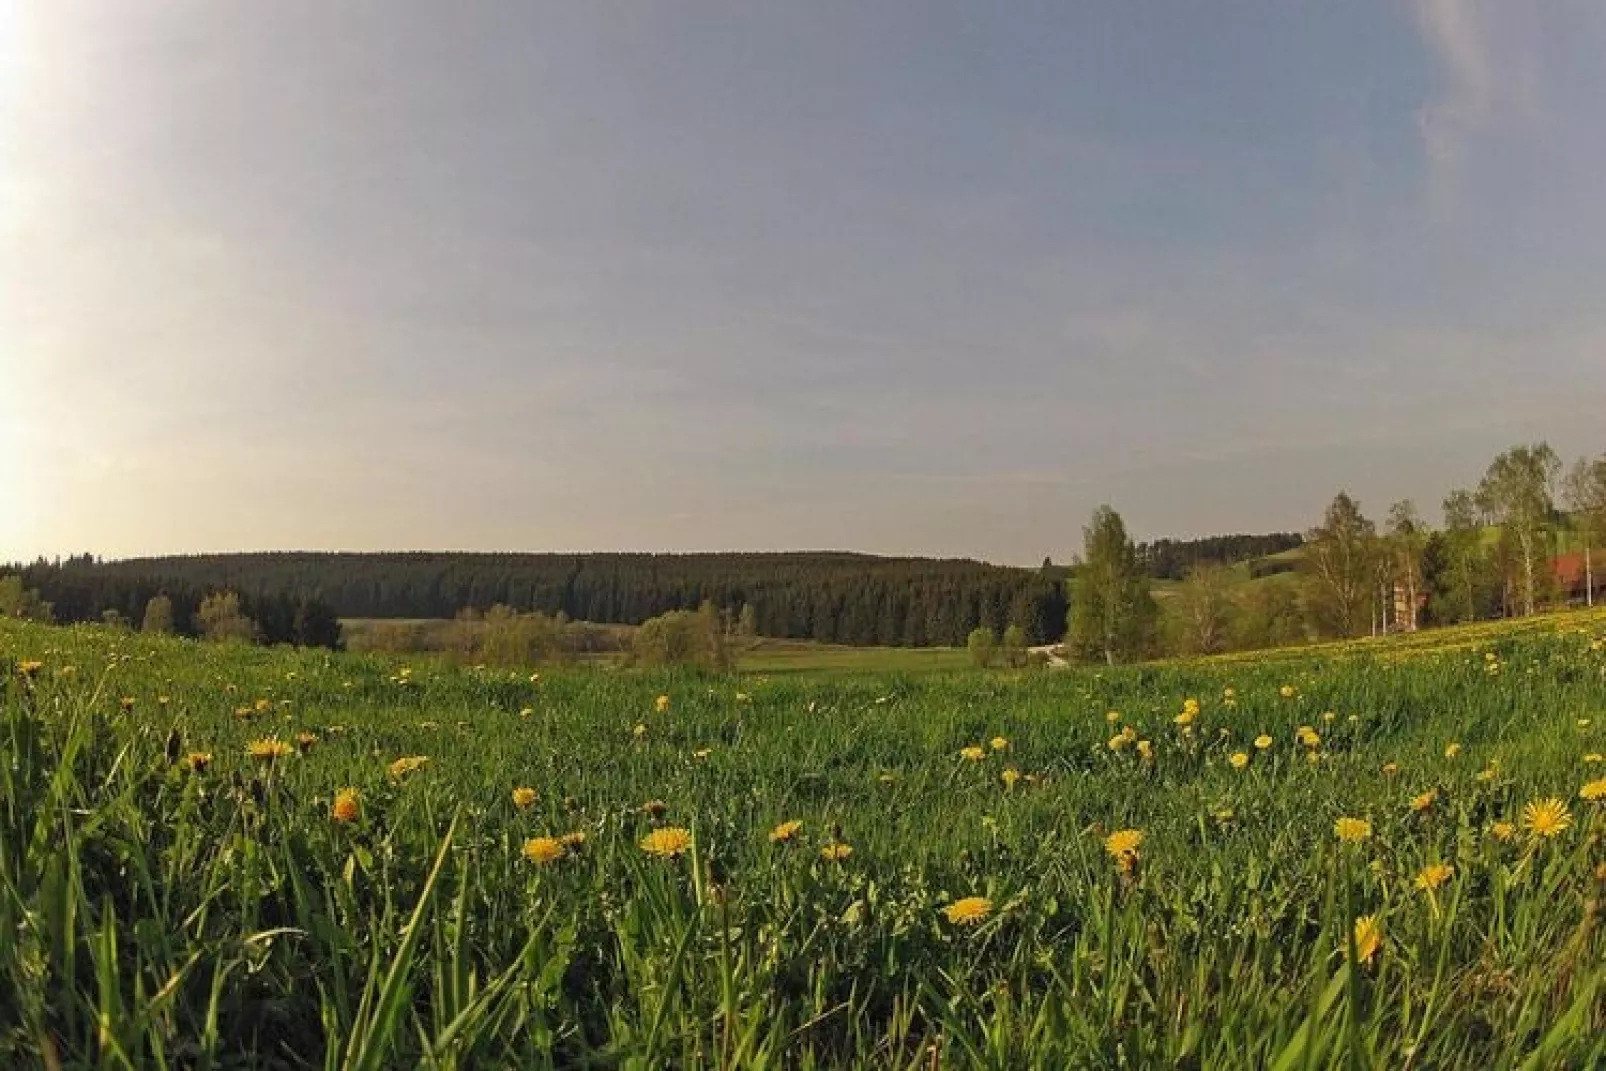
point(972, 753)
point(1432, 876)
point(407, 764)
point(1185, 719)
point(1145, 749)
point(1010, 776)
point(573, 841)
point(1594, 758)
point(666, 843)
point(524, 798)
point(1239, 760)
point(198, 760)
point(1123, 842)
point(640, 730)
point(1390, 769)
point(1352, 830)
point(1329, 717)
point(347, 806)
point(305, 740)
point(29, 669)
point(1117, 742)
point(998, 743)
point(1287, 691)
point(1262, 742)
point(654, 809)
point(543, 849)
point(836, 852)
point(785, 831)
point(1112, 716)
point(969, 911)
point(702, 753)
point(1502, 831)
point(1368, 938)
point(1452, 749)
point(1594, 791)
point(1546, 818)
point(1425, 800)
point(661, 704)
point(269, 749)
point(1309, 737)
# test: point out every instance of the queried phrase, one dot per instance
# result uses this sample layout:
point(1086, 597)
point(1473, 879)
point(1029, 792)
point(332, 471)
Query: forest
point(842, 598)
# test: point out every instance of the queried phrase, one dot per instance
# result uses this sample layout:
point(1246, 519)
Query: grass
point(159, 911)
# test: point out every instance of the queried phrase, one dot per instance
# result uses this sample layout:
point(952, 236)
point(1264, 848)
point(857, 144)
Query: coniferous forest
point(839, 598)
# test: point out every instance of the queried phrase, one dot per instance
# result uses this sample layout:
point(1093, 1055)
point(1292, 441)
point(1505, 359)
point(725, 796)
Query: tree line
point(80, 589)
point(1498, 553)
point(829, 597)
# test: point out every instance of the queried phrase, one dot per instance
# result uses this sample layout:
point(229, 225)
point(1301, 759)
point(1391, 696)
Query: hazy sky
point(899, 277)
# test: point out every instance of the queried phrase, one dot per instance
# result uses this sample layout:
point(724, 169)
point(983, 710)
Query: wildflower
point(1452, 749)
point(1488, 773)
point(1185, 719)
point(268, 749)
point(1229, 693)
point(1368, 938)
point(887, 778)
point(198, 760)
point(305, 740)
point(1009, 777)
point(1594, 758)
point(1583, 723)
point(972, 753)
point(666, 843)
point(1425, 800)
point(573, 841)
point(1145, 750)
point(640, 730)
point(661, 704)
point(1309, 737)
point(785, 831)
point(1390, 769)
point(1262, 742)
point(1432, 876)
point(407, 764)
point(969, 911)
point(1546, 818)
point(1352, 830)
point(1286, 691)
point(545, 849)
point(1329, 717)
point(1112, 716)
point(702, 753)
point(654, 809)
point(28, 670)
point(1123, 842)
point(1239, 760)
point(998, 743)
point(1118, 741)
point(1502, 831)
point(1594, 791)
point(836, 851)
point(524, 798)
point(525, 712)
point(346, 806)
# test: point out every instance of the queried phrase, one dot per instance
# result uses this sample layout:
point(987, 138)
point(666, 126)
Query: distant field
point(801, 656)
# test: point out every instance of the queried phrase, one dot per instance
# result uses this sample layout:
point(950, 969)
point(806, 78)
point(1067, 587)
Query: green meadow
point(218, 856)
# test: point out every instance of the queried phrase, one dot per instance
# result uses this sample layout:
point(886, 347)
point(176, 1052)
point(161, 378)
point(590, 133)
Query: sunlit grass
point(445, 866)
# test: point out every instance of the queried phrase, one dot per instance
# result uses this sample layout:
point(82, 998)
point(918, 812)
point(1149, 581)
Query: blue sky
point(926, 278)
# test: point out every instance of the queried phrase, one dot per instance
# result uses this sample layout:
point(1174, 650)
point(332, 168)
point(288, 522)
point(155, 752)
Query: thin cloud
point(1459, 35)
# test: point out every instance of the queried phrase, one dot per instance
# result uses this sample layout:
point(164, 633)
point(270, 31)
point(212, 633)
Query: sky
point(912, 278)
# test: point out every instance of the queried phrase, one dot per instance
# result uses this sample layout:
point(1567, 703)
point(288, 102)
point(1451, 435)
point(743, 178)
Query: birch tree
point(1517, 493)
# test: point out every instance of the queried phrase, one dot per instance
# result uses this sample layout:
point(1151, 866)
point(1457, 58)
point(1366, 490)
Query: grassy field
point(1334, 856)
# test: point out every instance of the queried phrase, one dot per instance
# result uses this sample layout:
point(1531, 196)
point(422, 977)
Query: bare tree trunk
point(1589, 576)
point(1527, 575)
